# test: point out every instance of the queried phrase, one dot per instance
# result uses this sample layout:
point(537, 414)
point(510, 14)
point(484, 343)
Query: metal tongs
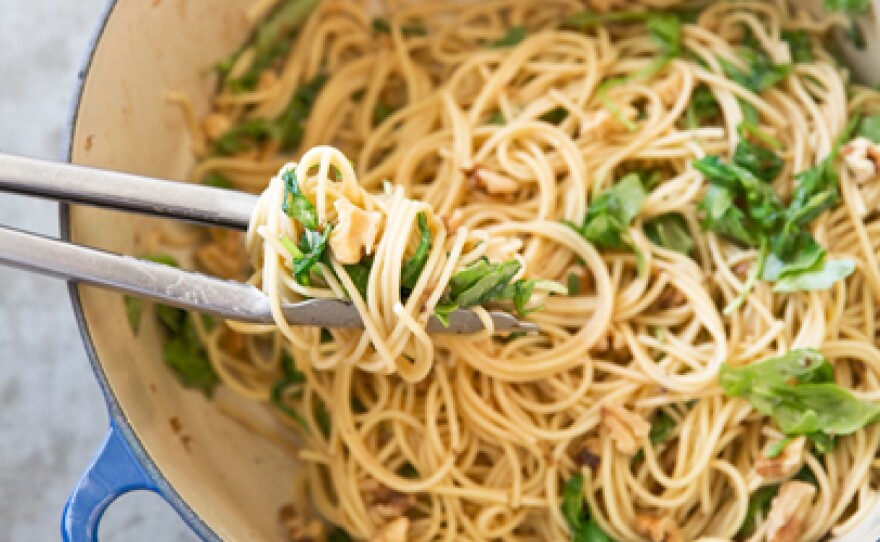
point(161, 283)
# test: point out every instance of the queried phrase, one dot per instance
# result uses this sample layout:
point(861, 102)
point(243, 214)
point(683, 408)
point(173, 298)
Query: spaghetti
point(701, 178)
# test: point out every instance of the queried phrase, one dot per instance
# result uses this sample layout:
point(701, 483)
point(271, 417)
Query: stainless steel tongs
point(168, 285)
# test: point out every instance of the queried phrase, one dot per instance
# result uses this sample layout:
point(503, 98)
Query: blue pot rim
point(117, 416)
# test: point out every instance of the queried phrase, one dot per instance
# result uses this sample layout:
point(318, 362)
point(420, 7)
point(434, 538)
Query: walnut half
point(657, 529)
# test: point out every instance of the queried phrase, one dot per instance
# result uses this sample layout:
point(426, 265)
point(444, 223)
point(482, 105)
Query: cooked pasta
point(702, 179)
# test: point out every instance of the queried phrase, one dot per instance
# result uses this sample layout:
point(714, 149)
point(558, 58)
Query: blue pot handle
point(113, 472)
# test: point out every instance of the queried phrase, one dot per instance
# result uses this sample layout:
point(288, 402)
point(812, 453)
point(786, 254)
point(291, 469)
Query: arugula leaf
point(723, 217)
point(246, 136)
point(588, 19)
point(608, 218)
point(821, 277)
point(497, 118)
point(412, 29)
point(800, 45)
point(798, 391)
point(296, 205)
point(662, 426)
point(291, 377)
point(185, 355)
point(808, 255)
point(759, 502)
point(777, 448)
point(581, 524)
point(412, 268)
point(869, 127)
point(339, 536)
point(761, 72)
point(665, 29)
point(443, 310)
point(359, 274)
point(271, 42)
point(762, 162)
point(851, 6)
point(133, 311)
point(382, 111)
point(515, 35)
point(292, 121)
point(554, 116)
point(670, 231)
point(487, 286)
point(573, 283)
point(702, 107)
point(312, 247)
point(523, 290)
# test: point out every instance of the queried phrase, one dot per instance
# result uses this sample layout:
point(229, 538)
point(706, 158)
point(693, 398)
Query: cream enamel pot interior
point(225, 482)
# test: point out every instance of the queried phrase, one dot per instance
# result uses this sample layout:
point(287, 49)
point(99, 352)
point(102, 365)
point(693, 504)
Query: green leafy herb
point(555, 115)
point(800, 45)
point(382, 111)
point(497, 118)
point(291, 123)
point(761, 72)
point(856, 35)
point(773, 451)
point(662, 426)
point(359, 274)
point(322, 418)
point(339, 536)
point(762, 162)
point(290, 378)
point(607, 221)
point(296, 205)
point(185, 354)
point(587, 19)
point(670, 231)
point(758, 503)
point(411, 29)
point(798, 391)
point(702, 107)
point(412, 268)
point(133, 311)
point(270, 43)
point(443, 310)
point(312, 247)
point(573, 283)
point(821, 277)
point(851, 6)
point(514, 36)
point(246, 136)
point(869, 127)
point(582, 526)
point(665, 29)
point(482, 282)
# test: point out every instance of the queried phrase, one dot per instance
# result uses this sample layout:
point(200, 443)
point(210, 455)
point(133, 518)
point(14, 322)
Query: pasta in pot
point(701, 178)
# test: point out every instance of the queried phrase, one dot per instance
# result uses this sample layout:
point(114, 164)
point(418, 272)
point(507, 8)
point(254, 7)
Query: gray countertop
point(52, 415)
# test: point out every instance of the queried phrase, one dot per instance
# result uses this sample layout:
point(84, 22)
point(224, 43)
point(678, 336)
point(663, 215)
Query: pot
point(224, 481)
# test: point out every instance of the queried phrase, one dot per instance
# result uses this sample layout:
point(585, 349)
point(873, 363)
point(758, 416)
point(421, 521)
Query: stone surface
point(52, 415)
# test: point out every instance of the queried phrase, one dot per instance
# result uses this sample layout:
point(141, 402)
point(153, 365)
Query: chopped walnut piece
point(788, 512)
point(300, 529)
point(862, 157)
point(385, 502)
point(603, 122)
point(670, 298)
point(783, 466)
point(215, 125)
point(395, 531)
point(657, 529)
point(627, 429)
point(495, 183)
point(355, 234)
